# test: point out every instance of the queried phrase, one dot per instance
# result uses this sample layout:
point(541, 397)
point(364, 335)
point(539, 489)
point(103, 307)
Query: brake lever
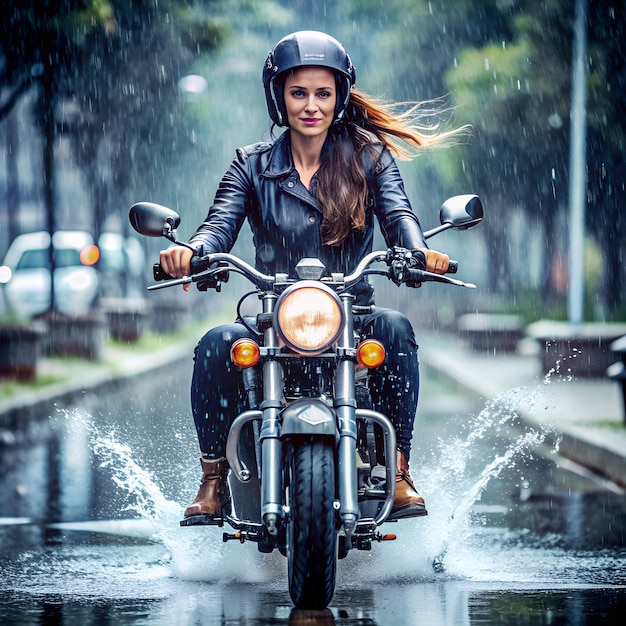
point(171, 283)
point(422, 276)
point(212, 277)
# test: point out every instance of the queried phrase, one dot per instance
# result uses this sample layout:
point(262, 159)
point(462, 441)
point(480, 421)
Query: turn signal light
point(90, 255)
point(245, 353)
point(370, 353)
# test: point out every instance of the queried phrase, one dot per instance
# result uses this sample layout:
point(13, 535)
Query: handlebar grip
point(419, 276)
point(199, 264)
point(159, 274)
point(453, 267)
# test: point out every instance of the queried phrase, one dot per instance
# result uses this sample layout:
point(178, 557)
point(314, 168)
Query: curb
point(114, 375)
point(599, 450)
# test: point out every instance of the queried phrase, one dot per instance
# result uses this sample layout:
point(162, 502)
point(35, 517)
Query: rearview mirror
point(461, 212)
point(153, 220)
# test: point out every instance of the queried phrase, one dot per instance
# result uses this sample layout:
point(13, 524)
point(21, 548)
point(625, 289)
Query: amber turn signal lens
point(90, 255)
point(370, 353)
point(245, 353)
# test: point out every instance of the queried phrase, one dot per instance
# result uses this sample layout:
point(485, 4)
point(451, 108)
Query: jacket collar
point(280, 162)
point(280, 166)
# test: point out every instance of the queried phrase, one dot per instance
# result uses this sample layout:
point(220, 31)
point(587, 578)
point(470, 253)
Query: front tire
point(311, 529)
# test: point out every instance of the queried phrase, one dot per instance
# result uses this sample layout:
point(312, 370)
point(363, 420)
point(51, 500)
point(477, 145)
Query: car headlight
point(5, 274)
point(78, 279)
point(309, 317)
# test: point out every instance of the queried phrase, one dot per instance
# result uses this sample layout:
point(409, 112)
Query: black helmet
point(306, 47)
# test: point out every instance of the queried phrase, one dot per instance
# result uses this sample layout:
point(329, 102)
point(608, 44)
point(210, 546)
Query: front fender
point(308, 416)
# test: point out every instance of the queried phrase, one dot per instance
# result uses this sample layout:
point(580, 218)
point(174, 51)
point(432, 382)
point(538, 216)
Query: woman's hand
point(436, 262)
point(175, 261)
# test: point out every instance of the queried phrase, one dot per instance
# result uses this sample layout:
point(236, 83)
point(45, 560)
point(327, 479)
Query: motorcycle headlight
point(309, 317)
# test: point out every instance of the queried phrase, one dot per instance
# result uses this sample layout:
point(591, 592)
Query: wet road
point(90, 502)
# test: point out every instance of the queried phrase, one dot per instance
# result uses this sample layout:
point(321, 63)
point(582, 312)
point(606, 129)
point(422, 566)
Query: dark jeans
point(218, 395)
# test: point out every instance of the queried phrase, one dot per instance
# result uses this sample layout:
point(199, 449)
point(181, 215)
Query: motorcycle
point(312, 466)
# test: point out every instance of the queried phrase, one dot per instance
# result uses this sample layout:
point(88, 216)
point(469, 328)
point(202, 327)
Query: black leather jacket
point(263, 186)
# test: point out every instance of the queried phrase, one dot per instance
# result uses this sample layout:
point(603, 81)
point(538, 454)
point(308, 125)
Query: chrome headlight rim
point(298, 348)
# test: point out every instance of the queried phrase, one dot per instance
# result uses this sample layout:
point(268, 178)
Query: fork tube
point(271, 452)
point(345, 406)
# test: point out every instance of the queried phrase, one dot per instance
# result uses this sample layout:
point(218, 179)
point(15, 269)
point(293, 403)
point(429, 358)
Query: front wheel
point(311, 529)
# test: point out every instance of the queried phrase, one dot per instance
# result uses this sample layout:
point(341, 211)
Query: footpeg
point(202, 520)
point(240, 537)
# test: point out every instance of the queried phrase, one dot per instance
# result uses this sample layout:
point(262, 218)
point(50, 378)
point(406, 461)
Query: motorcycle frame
point(346, 416)
point(153, 220)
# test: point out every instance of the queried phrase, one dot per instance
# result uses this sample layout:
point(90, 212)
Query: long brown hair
point(341, 182)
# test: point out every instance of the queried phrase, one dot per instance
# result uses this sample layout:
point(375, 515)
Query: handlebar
point(214, 268)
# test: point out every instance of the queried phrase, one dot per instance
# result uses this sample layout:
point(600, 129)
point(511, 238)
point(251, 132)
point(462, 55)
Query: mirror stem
point(434, 231)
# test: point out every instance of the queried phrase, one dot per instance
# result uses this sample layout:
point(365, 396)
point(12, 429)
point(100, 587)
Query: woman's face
point(310, 97)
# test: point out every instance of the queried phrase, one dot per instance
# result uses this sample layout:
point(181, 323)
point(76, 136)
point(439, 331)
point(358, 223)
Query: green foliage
point(10, 388)
point(518, 97)
point(532, 306)
point(115, 67)
point(489, 81)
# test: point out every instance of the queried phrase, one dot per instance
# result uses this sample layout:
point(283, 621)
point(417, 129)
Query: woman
point(313, 192)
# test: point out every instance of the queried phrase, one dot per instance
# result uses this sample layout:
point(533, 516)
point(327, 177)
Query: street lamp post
point(577, 173)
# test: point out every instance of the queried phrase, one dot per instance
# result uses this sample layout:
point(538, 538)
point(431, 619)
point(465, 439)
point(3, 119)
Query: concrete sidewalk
point(76, 377)
point(587, 415)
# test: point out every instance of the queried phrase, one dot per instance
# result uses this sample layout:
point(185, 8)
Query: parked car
point(121, 266)
point(25, 273)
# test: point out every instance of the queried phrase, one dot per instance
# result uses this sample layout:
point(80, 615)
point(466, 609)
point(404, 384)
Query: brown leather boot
point(213, 494)
point(408, 502)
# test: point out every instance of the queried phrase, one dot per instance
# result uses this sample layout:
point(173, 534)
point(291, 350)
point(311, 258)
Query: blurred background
point(104, 103)
point(108, 102)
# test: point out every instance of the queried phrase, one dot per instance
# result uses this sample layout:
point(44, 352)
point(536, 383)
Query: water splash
point(195, 553)
point(144, 496)
point(453, 481)
point(458, 518)
point(464, 488)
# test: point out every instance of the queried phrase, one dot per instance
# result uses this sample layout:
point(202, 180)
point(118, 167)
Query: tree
point(517, 94)
point(606, 143)
point(106, 71)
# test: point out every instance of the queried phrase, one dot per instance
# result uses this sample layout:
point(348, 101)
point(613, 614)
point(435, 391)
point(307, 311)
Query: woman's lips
point(310, 121)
